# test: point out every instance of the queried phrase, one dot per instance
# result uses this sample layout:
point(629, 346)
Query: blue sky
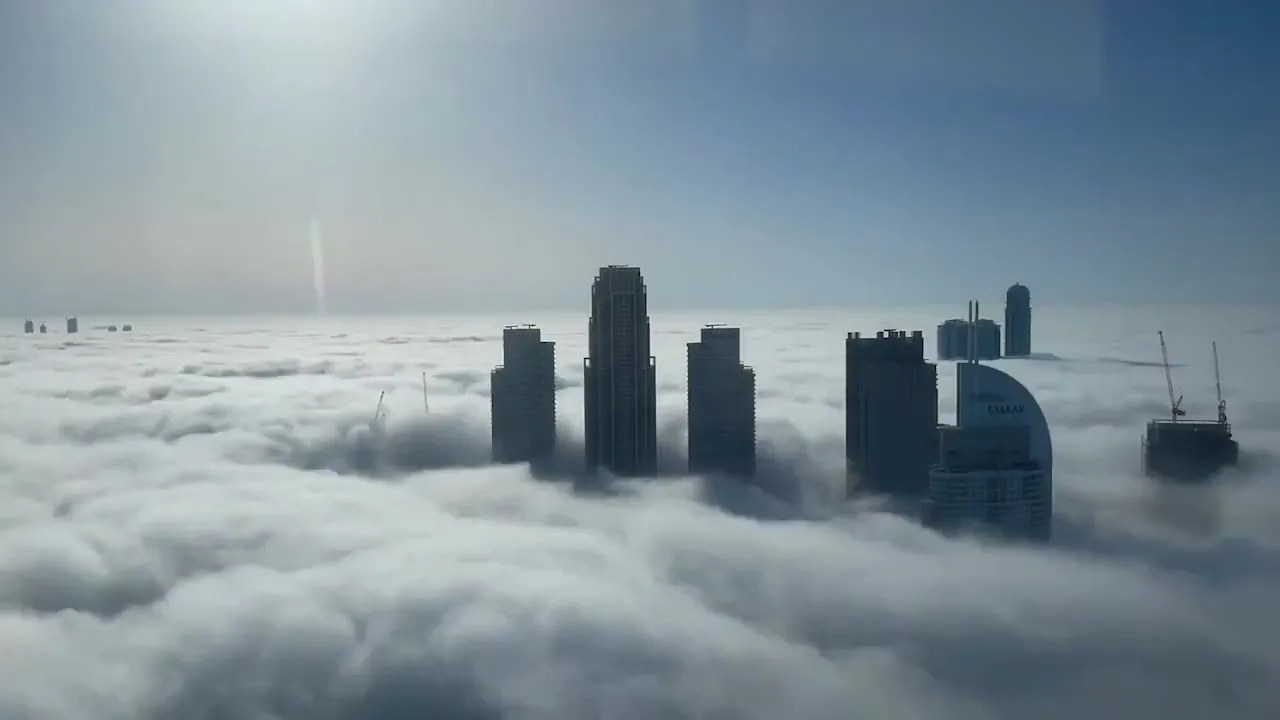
point(746, 153)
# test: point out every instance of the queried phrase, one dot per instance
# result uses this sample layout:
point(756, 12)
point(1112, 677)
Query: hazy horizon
point(989, 309)
point(172, 156)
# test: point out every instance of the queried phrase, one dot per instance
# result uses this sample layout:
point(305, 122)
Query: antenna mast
point(972, 335)
point(426, 406)
point(1175, 404)
point(377, 412)
point(1217, 380)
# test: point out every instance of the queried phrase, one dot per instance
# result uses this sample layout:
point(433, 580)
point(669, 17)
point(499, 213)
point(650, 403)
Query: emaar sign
point(989, 398)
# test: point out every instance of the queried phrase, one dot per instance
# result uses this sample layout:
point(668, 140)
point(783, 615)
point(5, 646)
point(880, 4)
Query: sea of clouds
point(196, 522)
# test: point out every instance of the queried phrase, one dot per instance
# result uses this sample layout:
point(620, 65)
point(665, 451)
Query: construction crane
point(1174, 403)
point(1217, 380)
point(378, 416)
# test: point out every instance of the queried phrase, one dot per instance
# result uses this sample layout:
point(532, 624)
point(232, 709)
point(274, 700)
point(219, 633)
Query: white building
point(995, 468)
point(986, 480)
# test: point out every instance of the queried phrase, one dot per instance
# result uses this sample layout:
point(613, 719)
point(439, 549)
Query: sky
point(170, 157)
point(198, 522)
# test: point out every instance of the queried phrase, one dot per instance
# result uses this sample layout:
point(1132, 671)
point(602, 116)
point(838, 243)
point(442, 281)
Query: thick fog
point(196, 521)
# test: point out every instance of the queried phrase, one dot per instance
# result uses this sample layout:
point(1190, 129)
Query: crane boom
point(1175, 403)
point(1217, 381)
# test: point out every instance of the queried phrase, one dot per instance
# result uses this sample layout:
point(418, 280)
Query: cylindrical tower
point(1017, 321)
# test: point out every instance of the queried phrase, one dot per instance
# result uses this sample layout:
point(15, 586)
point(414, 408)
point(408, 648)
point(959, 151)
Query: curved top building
point(1017, 321)
point(990, 397)
point(995, 468)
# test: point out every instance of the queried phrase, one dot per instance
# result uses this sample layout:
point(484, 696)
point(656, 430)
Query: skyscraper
point(619, 388)
point(1017, 321)
point(891, 413)
point(955, 336)
point(523, 397)
point(995, 468)
point(987, 478)
point(722, 405)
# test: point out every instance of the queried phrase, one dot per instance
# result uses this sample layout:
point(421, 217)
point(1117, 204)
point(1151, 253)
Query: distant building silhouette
point(29, 327)
point(73, 326)
point(1179, 449)
point(1017, 321)
point(722, 405)
point(619, 383)
point(43, 328)
point(523, 398)
point(954, 337)
point(891, 413)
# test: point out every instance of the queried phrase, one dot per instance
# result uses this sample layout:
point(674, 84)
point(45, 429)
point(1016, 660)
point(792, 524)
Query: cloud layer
point(197, 522)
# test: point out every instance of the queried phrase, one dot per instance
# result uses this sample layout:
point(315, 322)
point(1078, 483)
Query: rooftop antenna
point(1217, 380)
point(973, 333)
point(426, 406)
point(1175, 404)
point(966, 382)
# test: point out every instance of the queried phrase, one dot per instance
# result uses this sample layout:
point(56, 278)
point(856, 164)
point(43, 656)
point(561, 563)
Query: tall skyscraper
point(619, 388)
point(995, 468)
point(891, 413)
point(1017, 321)
point(722, 405)
point(523, 397)
point(986, 478)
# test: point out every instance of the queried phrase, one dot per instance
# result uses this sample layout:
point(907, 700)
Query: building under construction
point(1182, 450)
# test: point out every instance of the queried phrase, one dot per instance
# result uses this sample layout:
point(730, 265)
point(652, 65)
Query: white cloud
point(203, 527)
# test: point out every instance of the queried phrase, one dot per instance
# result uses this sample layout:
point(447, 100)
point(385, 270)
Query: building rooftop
point(889, 334)
point(1189, 426)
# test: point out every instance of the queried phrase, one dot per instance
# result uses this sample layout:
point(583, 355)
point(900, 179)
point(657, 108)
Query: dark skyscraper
point(722, 405)
point(523, 397)
point(891, 413)
point(1017, 321)
point(619, 389)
